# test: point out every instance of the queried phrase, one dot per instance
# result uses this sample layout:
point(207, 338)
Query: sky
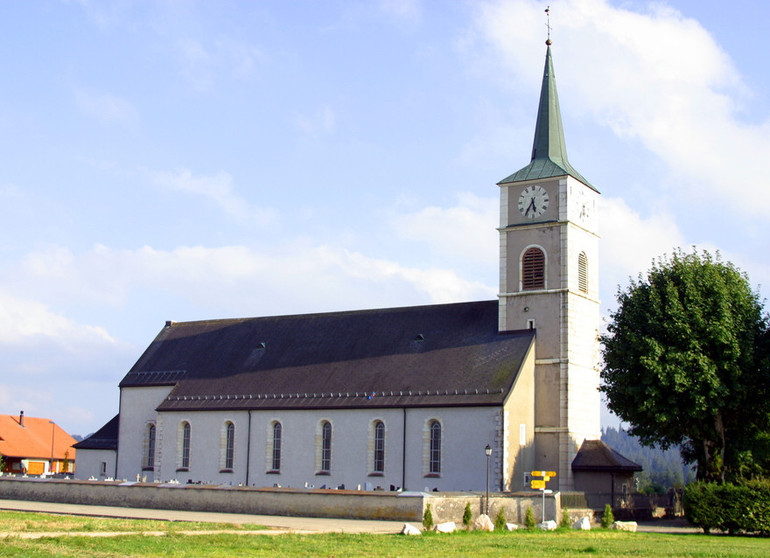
point(187, 160)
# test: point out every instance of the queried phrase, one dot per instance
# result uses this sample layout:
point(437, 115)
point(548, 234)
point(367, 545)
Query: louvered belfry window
point(533, 269)
point(583, 272)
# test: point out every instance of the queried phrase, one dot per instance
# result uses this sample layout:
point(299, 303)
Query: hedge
point(741, 508)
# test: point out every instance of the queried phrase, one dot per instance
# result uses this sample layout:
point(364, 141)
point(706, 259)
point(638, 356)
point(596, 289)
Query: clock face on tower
point(533, 201)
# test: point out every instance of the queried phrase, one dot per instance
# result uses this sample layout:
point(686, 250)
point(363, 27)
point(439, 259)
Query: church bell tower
point(549, 264)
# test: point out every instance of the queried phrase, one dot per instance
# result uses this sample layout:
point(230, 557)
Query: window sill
point(433, 476)
point(377, 474)
point(225, 470)
point(182, 469)
point(274, 472)
point(323, 474)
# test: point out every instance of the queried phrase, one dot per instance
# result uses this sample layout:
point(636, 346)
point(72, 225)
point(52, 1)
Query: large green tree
point(685, 362)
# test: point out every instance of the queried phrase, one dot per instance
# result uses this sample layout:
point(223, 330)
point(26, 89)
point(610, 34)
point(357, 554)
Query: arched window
point(434, 466)
point(149, 460)
point(229, 445)
point(583, 272)
point(276, 457)
point(184, 461)
point(533, 269)
point(379, 447)
point(326, 447)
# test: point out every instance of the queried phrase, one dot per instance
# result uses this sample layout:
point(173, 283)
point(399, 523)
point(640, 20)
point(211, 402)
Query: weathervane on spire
point(548, 24)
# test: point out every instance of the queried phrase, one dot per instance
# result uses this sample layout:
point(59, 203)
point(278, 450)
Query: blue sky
point(192, 160)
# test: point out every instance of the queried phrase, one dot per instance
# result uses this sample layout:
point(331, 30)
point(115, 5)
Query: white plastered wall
point(137, 408)
point(88, 464)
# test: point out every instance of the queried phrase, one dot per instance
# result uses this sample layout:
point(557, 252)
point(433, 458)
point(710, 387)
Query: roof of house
point(549, 150)
point(104, 438)
point(595, 455)
point(438, 355)
point(35, 437)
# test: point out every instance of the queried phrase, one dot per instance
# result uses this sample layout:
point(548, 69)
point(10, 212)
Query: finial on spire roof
point(548, 24)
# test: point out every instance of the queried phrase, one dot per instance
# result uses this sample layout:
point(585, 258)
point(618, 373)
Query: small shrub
point(529, 518)
point(467, 515)
point(729, 507)
point(500, 520)
point(607, 518)
point(564, 522)
point(427, 519)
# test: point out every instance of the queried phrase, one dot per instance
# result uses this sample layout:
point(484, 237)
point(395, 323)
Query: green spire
point(549, 151)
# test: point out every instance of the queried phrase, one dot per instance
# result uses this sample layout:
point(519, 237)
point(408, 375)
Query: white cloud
point(231, 280)
point(629, 242)
point(23, 320)
point(322, 122)
point(221, 190)
point(464, 232)
point(657, 77)
point(203, 64)
point(407, 11)
point(105, 107)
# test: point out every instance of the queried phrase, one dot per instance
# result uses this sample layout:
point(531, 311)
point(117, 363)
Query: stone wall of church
point(464, 434)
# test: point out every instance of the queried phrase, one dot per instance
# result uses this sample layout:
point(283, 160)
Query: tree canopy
point(686, 363)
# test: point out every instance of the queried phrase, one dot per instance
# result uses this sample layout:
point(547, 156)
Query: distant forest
point(662, 469)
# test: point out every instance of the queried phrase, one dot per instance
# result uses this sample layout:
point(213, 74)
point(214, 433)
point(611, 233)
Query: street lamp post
point(53, 431)
point(488, 452)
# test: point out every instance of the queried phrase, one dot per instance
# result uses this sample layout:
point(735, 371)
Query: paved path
point(275, 522)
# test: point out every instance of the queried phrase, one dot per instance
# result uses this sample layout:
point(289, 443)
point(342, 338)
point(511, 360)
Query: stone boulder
point(483, 523)
point(410, 530)
point(625, 526)
point(511, 526)
point(583, 524)
point(549, 525)
point(447, 527)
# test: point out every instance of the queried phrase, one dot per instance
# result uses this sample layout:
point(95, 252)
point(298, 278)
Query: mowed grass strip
point(29, 522)
point(477, 545)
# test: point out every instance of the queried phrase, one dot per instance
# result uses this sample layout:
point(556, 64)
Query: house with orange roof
point(35, 446)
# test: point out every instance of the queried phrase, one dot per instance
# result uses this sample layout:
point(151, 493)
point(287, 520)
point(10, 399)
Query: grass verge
point(475, 544)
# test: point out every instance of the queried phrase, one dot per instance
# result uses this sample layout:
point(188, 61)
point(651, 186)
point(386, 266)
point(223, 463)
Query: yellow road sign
point(543, 473)
point(538, 484)
point(546, 478)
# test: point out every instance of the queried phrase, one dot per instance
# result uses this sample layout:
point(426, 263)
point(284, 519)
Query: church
point(398, 398)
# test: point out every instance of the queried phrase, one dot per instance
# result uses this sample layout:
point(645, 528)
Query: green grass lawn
point(27, 522)
point(478, 545)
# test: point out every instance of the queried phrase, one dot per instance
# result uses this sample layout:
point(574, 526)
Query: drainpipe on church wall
point(248, 449)
point(403, 455)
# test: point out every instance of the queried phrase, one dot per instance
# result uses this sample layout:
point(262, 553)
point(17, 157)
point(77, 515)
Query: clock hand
point(531, 206)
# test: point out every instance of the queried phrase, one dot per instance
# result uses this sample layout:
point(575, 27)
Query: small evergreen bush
point(500, 520)
point(427, 519)
point(529, 518)
point(564, 522)
point(607, 518)
point(467, 515)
